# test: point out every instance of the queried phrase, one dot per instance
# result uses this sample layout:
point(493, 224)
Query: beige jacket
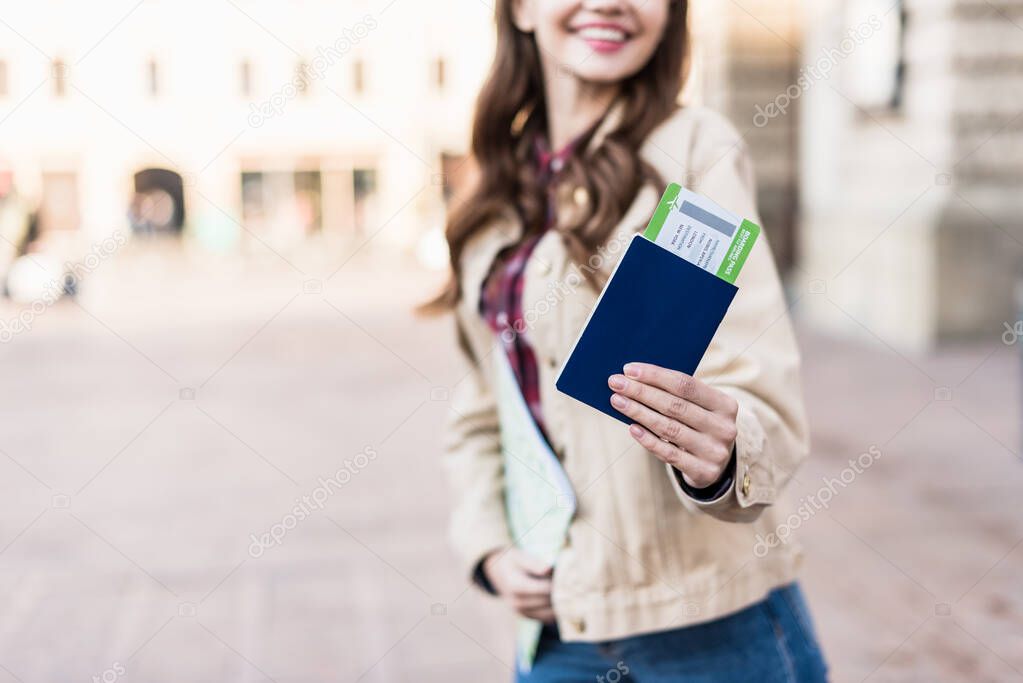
point(641, 555)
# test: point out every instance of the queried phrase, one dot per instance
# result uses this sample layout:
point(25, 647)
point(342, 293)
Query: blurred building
point(884, 132)
point(744, 55)
point(242, 125)
point(910, 167)
point(887, 139)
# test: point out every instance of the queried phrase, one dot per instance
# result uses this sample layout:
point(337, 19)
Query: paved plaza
point(159, 432)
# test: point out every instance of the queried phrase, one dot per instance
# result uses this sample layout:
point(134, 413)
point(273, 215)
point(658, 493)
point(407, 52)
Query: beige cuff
point(753, 482)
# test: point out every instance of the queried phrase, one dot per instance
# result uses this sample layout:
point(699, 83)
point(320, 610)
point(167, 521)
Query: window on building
point(245, 78)
point(158, 204)
point(876, 73)
point(3, 79)
point(308, 201)
point(455, 173)
point(364, 184)
point(58, 209)
point(59, 72)
point(303, 78)
point(153, 78)
point(282, 205)
point(439, 73)
point(359, 76)
point(254, 201)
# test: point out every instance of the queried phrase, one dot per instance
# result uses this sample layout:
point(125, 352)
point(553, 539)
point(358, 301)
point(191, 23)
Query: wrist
point(481, 575)
point(715, 490)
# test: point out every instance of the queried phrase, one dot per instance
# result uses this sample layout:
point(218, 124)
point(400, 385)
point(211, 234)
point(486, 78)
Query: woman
point(664, 574)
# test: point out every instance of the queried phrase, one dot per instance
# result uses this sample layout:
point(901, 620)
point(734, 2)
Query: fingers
point(530, 576)
point(698, 473)
point(531, 564)
point(682, 421)
point(670, 405)
point(535, 606)
point(674, 431)
point(529, 602)
point(529, 594)
point(682, 385)
point(525, 584)
point(544, 614)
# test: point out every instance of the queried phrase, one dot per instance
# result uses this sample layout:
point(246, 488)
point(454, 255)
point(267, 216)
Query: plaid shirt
point(501, 300)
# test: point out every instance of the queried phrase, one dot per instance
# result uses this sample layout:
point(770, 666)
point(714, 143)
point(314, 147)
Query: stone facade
point(267, 92)
point(745, 55)
point(910, 228)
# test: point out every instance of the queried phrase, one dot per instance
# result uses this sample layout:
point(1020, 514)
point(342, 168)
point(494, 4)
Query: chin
point(601, 79)
point(605, 74)
point(596, 67)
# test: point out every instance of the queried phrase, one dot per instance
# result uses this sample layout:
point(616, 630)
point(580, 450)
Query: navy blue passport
point(656, 308)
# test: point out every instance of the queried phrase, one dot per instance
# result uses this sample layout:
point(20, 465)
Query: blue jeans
point(771, 641)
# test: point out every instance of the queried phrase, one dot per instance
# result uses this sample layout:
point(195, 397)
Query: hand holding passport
point(658, 313)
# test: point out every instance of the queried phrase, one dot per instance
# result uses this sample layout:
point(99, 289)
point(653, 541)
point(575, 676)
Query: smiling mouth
point(603, 37)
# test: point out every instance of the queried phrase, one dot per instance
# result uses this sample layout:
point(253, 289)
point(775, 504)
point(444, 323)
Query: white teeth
point(601, 33)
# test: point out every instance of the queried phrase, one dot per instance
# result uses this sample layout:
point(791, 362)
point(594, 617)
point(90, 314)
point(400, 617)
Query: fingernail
point(619, 401)
point(631, 369)
point(616, 382)
point(635, 431)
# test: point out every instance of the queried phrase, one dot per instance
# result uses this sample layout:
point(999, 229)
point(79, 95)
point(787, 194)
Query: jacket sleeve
point(473, 463)
point(753, 357)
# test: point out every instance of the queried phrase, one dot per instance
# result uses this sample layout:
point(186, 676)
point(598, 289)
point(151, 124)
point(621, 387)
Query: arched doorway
point(158, 205)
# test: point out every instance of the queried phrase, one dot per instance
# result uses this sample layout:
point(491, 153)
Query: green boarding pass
point(702, 232)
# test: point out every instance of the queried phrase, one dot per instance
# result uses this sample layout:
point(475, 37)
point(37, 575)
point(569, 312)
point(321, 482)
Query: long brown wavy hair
point(511, 112)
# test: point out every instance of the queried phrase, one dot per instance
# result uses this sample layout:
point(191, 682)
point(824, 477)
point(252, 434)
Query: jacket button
point(579, 624)
point(543, 268)
point(745, 483)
